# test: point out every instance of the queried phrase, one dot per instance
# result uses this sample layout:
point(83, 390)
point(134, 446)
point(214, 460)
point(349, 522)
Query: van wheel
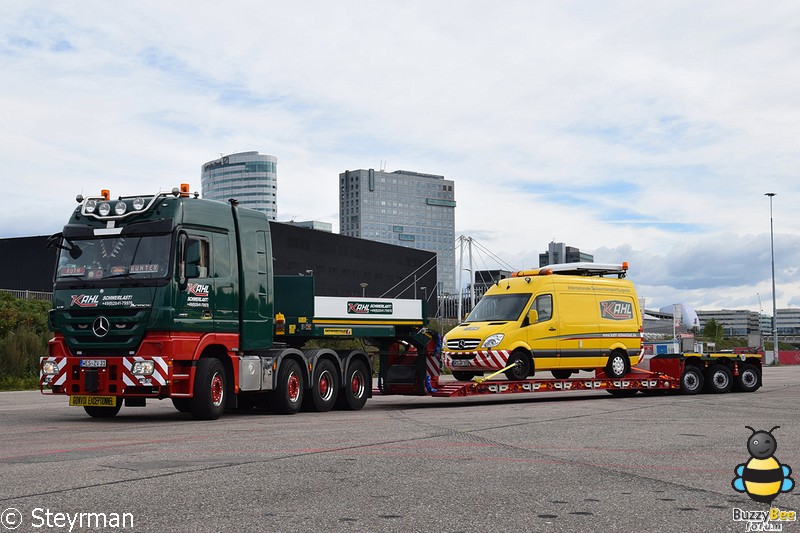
point(691, 380)
point(748, 379)
point(718, 379)
point(561, 374)
point(521, 369)
point(461, 375)
point(617, 365)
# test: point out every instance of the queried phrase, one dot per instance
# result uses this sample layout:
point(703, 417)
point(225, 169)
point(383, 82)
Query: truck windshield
point(110, 257)
point(499, 307)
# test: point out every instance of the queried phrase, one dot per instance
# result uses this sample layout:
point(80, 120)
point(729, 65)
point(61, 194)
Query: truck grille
point(462, 344)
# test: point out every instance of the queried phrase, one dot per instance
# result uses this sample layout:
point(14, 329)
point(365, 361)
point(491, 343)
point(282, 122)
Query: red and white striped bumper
point(479, 360)
point(113, 377)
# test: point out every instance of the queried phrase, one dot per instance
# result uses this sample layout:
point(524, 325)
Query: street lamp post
point(774, 299)
point(364, 288)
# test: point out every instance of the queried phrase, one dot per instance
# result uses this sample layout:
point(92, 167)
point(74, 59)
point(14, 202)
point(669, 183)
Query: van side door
point(543, 333)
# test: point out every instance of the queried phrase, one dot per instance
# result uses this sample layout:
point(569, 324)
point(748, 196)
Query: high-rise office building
point(558, 252)
point(405, 208)
point(249, 177)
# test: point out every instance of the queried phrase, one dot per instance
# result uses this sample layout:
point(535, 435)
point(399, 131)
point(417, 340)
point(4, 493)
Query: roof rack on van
point(577, 269)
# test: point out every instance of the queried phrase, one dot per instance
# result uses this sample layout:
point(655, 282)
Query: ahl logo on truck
point(616, 310)
point(85, 300)
point(369, 308)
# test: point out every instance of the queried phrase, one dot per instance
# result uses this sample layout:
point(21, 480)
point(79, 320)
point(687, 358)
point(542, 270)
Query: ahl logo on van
point(616, 310)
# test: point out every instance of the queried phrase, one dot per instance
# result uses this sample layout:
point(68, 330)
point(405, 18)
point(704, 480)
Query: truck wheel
point(324, 388)
point(103, 412)
point(288, 398)
point(521, 369)
point(462, 375)
point(208, 402)
point(353, 395)
point(691, 380)
point(561, 374)
point(184, 405)
point(617, 365)
point(719, 379)
point(748, 380)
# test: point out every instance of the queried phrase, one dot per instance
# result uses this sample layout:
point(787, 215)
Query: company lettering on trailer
point(369, 308)
point(85, 300)
point(616, 310)
point(197, 289)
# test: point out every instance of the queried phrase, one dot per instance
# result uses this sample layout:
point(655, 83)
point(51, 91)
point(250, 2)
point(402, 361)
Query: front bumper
point(110, 376)
point(479, 361)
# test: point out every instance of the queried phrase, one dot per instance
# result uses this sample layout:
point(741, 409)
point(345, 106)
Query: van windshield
point(499, 307)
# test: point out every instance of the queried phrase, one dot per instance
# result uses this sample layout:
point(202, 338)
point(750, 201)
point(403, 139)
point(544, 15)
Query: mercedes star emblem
point(100, 326)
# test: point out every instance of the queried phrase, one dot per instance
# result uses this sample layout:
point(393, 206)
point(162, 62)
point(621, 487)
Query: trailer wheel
point(462, 375)
point(288, 396)
point(691, 380)
point(353, 394)
point(521, 369)
point(617, 365)
point(184, 405)
point(748, 380)
point(103, 412)
point(719, 379)
point(561, 374)
point(208, 402)
point(324, 388)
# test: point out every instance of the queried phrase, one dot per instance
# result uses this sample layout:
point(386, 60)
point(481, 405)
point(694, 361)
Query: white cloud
point(646, 130)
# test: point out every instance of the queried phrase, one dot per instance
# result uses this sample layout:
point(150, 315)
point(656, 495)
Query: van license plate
point(93, 401)
point(461, 362)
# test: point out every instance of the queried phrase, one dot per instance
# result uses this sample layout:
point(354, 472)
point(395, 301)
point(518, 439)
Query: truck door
point(543, 334)
point(193, 306)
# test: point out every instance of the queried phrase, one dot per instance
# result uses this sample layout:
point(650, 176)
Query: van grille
point(462, 344)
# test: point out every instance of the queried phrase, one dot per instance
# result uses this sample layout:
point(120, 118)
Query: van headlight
point(143, 368)
point(493, 340)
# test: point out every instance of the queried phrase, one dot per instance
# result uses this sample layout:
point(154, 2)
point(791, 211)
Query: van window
point(543, 305)
point(499, 307)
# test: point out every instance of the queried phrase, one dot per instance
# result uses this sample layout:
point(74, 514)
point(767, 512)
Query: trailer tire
point(719, 379)
point(748, 380)
point(462, 375)
point(691, 380)
point(184, 405)
point(522, 367)
point(103, 412)
point(324, 389)
point(618, 365)
point(288, 396)
point(353, 394)
point(561, 374)
point(210, 388)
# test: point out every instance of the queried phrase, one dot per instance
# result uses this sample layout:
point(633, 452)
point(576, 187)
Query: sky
point(645, 132)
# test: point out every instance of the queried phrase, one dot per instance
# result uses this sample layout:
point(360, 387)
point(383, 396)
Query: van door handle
point(552, 329)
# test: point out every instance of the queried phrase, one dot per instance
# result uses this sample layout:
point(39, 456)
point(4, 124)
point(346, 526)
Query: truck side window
point(197, 257)
point(544, 307)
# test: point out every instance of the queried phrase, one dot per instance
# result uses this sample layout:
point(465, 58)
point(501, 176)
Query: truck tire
point(324, 389)
point(562, 374)
point(719, 379)
point(208, 402)
point(748, 380)
point(521, 369)
point(288, 395)
point(691, 380)
point(463, 375)
point(103, 412)
point(184, 405)
point(617, 365)
point(353, 394)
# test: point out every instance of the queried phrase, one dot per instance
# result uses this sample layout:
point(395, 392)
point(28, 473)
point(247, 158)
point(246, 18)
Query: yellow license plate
point(93, 401)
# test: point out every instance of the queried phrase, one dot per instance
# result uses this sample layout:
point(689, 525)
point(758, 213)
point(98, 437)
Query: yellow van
point(560, 318)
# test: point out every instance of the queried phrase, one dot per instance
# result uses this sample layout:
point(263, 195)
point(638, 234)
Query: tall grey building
point(558, 253)
point(404, 208)
point(249, 177)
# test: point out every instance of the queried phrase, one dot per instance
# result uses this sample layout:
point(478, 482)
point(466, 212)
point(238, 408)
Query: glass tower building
point(403, 208)
point(249, 177)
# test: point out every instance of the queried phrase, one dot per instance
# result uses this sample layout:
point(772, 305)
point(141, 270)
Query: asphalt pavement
point(573, 461)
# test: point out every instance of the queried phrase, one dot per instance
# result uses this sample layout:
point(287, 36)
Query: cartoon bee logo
point(762, 477)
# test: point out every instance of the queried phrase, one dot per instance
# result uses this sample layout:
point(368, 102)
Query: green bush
point(23, 340)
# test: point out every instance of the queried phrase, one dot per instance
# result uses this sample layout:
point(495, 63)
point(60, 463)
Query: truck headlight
point(493, 340)
point(143, 368)
point(49, 368)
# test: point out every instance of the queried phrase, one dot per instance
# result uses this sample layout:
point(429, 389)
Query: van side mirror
point(533, 316)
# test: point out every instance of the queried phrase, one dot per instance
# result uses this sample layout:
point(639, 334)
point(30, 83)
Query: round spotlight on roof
point(104, 209)
point(91, 206)
point(120, 208)
point(138, 203)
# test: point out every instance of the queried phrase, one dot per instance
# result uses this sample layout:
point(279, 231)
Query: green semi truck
point(173, 296)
